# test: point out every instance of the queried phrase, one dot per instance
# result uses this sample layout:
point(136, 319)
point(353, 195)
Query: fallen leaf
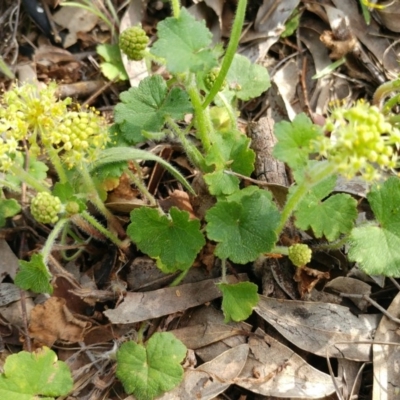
point(275, 370)
point(386, 358)
point(138, 307)
point(52, 321)
point(212, 378)
point(323, 329)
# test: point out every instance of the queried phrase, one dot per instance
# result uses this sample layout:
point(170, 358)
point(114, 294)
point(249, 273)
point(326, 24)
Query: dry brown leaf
point(212, 378)
point(179, 199)
point(307, 278)
point(8, 261)
point(197, 336)
point(386, 358)
point(322, 329)
point(52, 321)
point(75, 19)
point(275, 370)
point(138, 307)
point(345, 284)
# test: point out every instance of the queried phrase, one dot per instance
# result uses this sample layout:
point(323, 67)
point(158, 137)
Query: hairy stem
point(94, 198)
point(28, 178)
point(230, 51)
point(203, 125)
point(176, 8)
point(96, 224)
point(383, 90)
point(195, 157)
point(46, 250)
point(317, 173)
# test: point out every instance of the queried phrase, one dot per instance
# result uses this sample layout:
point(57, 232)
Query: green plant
point(133, 41)
point(28, 376)
point(245, 223)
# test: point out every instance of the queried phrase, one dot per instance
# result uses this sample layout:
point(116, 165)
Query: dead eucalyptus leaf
point(138, 307)
point(275, 370)
point(212, 378)
point(386, 358)
point(323, 329)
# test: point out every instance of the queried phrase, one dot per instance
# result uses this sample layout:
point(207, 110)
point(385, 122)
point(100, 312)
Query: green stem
point(230, 51)
point(317, 173)
point(195, 157)
point(55, 160)
point(140, 333)
point(141, 186)
point(24, 176)
point(203, 126)
point(67, 231)
point(94, 198)
point(280, 250)
point(108, 234)
point(179, 278)
point(46, 250)
point(176, 7)
point(223, 270)
point(383, 90)
point(388, 106)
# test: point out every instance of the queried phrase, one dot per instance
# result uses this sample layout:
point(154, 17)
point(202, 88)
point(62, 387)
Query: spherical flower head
point(133, 41)
point(361, 141)
point(81, 135)
point(45, 208)
point(299, 254)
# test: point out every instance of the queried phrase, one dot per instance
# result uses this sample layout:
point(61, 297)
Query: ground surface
point(291, 336)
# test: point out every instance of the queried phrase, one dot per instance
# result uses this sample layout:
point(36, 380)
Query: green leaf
point(37, 169)
point(8, 208)
point(183, 42)
point(243, 225)
point(149, 371)
point(219, 183)
point(377, 248)
point(145, 107)
point(330, 217)
point(174, 242)
point(27, 375)
point(118, 154)
point(112, 67)
point(245, 79)
point(230, 151)
point(34, 275)
point(238, 300)
point(295, 140)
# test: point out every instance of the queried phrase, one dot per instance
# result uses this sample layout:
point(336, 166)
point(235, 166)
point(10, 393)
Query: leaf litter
point(231, 356)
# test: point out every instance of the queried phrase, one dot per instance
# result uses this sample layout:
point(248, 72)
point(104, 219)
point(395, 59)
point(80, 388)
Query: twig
point(372, 302)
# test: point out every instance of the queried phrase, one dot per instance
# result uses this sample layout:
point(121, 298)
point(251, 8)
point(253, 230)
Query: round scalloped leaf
point(30, 375)
point(148, 371)
point(243, 225)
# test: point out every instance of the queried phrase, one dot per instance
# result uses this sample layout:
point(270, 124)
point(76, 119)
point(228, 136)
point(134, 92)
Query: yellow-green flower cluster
point(80, 135)
point(361, 141)
point(43, 122)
